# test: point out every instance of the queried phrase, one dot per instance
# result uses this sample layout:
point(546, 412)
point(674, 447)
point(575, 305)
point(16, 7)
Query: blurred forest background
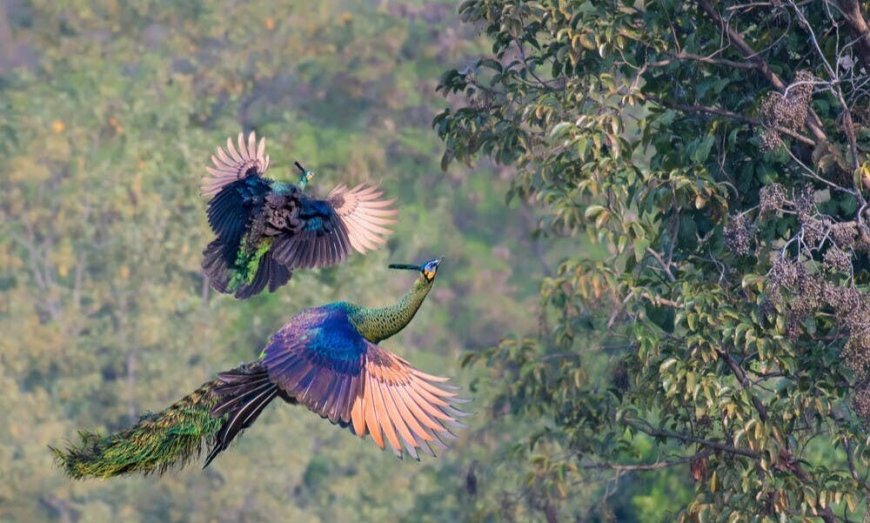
point(654, 218)
point(108, 112)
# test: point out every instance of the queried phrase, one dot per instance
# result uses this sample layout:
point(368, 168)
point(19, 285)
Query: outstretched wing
point(236, 188)
point(354, 383)
point(231, 165)
point(348, 219)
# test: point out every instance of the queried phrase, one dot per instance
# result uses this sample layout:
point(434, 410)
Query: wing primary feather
point(426, 404)
point(407, 415)
point(357, 416)
point(384, 418)
point(370, 416)
point(397, 420)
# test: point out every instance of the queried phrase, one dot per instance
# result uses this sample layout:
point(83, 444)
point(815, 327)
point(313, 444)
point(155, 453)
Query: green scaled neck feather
point(379, 323)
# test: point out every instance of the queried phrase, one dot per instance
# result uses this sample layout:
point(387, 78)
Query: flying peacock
point(326, 358)
point(266, 229)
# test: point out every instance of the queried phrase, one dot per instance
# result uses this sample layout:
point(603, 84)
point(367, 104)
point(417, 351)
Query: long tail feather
point(155, 444)
point(174, 436)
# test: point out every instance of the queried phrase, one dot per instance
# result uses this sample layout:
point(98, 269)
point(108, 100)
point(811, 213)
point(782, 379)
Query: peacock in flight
point(326, 358)
point(266, 229)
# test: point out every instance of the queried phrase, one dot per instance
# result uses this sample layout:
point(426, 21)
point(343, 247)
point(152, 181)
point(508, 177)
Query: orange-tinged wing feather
point(401, 402)
point(371, 417)
point(379, 394)
point(384, 418)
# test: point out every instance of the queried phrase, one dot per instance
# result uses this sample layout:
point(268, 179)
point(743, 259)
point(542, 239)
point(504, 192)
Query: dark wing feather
point(221, 210)
point(237, 192)
point(348, 219)
point(269, 272)
point(352, 382)
point(216, 264)
point(242, 394)
point(231, 165)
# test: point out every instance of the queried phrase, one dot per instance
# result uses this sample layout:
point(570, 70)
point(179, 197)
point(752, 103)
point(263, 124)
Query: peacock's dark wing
point(348, 219)
point(231, 165)
point(236, 187)
point(239, 194)
point(322, 362)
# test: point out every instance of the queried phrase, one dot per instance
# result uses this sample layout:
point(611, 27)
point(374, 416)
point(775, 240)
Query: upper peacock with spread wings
point(266, 229)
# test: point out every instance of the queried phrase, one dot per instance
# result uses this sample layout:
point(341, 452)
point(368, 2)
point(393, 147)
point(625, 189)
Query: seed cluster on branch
point(785, 110)
point(812, 274)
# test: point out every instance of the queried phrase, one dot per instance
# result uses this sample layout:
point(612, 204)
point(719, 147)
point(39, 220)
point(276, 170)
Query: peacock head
point(428, 269)
point(304, 175)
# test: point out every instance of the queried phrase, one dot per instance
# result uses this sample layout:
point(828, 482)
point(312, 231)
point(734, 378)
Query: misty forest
point(561, 260)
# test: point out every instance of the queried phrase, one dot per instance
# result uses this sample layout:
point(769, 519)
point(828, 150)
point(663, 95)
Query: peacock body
point(265, 229)
point(326, 358)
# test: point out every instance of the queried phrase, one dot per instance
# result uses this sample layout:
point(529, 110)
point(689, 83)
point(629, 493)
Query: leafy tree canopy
point(717, 153)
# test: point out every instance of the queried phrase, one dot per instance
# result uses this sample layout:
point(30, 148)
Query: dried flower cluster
point(807, 278)
point(738, 234)
point(785, 111)
point(801, 293)
point(771, 198)
point(837, 260)
point(861, 403)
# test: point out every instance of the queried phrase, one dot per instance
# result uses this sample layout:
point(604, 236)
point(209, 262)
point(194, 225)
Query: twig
point(661, 261)
point(729, 114)
point(705, 59)
point(851, 10)
point(645, 427)
point(762, 65)
point(630, 467)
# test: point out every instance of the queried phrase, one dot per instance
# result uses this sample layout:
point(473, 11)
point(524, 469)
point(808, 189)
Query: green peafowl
point(326, 358)
point(266, 229)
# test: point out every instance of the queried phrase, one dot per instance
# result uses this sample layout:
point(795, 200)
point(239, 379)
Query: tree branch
point(851, 10)
point(646, 428)
point(662, 262)
point(729, 114)
point(705, 59)
point(794, 467)
point(631, 467)
point(740, 374)
point(749, 53)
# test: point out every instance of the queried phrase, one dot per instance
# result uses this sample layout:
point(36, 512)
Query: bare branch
point(645, 427)
point(851, 10)
point(707, 60)
point(731, 115)
point(740, 374)
point(762, 65)
point(631, 467)
point(662, 262)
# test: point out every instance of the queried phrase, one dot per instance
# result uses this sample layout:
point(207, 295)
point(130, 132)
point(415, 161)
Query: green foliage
point(715, 153)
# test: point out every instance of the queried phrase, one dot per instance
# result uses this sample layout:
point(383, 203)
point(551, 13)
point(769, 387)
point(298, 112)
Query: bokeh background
point(108, 112)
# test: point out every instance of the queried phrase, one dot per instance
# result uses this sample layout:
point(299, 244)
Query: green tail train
point(156, 443)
